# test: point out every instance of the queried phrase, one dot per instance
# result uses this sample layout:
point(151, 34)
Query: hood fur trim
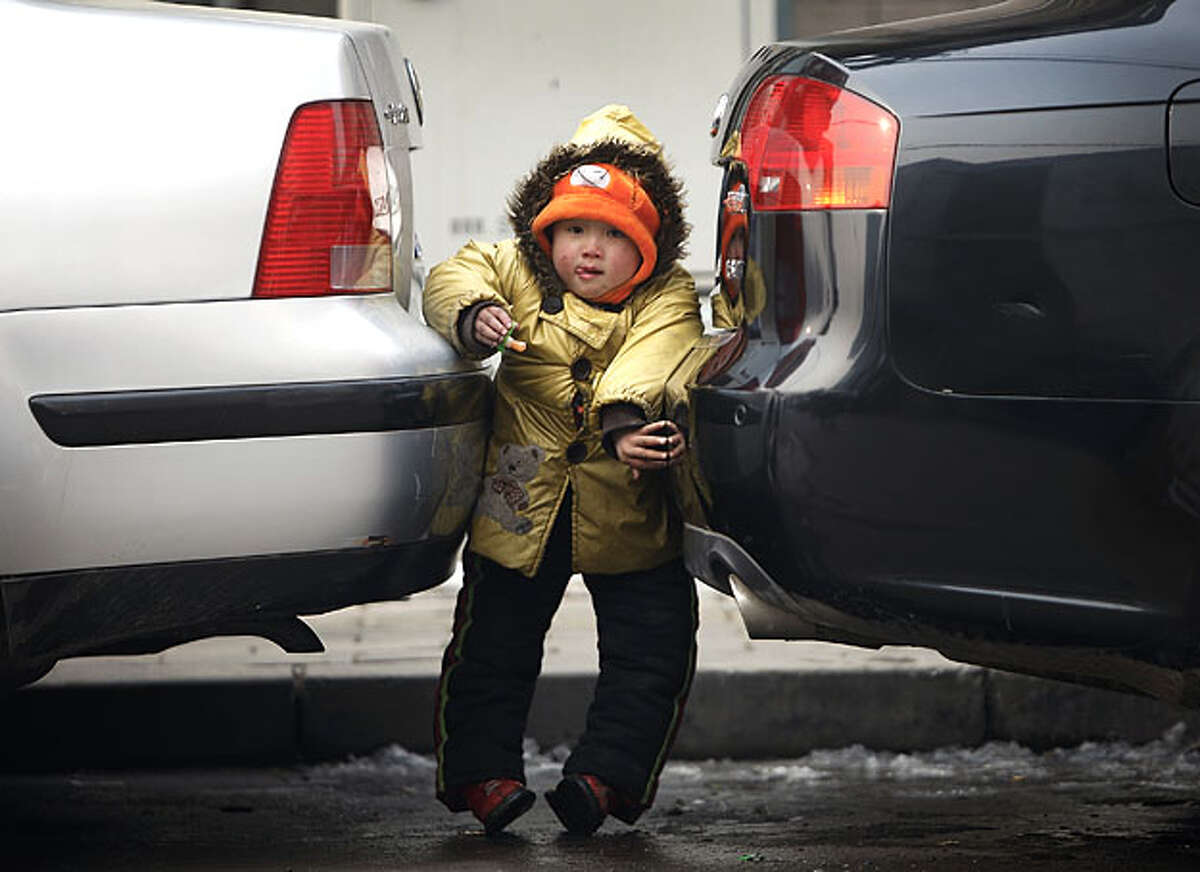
point(534, 191)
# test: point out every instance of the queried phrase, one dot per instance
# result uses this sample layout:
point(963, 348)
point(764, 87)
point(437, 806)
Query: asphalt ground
point(1104, 807)
point(241, 700)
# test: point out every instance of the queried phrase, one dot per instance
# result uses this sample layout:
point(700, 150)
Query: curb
point(746, 715)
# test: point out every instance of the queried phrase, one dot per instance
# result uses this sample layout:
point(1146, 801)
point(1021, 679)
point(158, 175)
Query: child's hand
point(656, 445)
point(491, 323)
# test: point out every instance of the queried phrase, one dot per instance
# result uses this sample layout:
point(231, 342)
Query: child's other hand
point(491, 323)
point(656, 445)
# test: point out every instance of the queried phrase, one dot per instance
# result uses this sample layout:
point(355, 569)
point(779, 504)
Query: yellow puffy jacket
point(580, 358)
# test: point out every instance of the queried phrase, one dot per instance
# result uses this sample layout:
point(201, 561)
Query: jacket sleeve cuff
point(615, 420)
point(466, 329)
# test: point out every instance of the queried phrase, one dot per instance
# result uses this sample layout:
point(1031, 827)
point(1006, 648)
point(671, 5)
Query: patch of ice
point(857, 761)
point(682, 772)
point(787, 772)
point(1171, 759)
point(390, 759)
point(538, 761)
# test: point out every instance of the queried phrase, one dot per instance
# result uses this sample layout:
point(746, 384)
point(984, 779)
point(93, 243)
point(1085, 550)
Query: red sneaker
point(498, 802)
point(581, 803)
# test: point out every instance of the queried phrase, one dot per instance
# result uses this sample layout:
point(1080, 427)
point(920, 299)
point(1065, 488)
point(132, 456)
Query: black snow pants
point(646, 622)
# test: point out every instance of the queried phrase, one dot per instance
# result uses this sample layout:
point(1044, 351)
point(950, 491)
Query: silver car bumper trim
point(256, 411)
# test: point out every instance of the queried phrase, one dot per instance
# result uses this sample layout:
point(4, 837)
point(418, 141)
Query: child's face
point(592, 257)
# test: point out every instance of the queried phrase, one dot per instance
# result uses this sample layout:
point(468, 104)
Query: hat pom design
point(602, 192)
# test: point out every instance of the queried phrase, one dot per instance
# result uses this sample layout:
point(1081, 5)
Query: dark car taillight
point(327, 229)
point(812, 145)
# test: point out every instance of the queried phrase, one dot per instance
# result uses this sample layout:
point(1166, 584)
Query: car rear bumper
point(905, 509)
point(143, 609)
point(144, 435)
point(767, 610)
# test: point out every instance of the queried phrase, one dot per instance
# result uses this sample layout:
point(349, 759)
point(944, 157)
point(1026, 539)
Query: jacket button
point(576, 451)
point(581, 369)
point(552, 304)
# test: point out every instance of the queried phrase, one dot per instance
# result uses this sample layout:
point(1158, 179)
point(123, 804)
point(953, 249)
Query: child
point(574, 482)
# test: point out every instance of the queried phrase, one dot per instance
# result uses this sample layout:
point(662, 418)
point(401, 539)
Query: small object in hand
point(510, 341)
point(666, 432)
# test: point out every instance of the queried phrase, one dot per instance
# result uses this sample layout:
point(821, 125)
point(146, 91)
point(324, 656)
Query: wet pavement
point(1096, 807)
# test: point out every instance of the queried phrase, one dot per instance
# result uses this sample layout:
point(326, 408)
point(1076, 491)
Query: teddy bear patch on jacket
point(504, 493)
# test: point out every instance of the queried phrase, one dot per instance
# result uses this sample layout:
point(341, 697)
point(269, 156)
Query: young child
point(592, 312)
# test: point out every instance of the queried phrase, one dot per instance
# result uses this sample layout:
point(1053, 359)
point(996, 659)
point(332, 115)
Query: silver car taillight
point(328, 227)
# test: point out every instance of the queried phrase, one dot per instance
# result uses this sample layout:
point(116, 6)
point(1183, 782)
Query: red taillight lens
point(327, 229)
point(812, 145)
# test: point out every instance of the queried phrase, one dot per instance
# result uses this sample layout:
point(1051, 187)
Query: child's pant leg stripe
point(677, 714)
point(462, 623)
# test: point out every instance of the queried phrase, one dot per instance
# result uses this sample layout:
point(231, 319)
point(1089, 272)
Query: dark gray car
point(955, 399)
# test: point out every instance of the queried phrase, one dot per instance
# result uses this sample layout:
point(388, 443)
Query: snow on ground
point(1171, 760)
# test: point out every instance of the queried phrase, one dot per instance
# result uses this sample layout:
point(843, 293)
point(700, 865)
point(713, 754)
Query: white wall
point(504, 81)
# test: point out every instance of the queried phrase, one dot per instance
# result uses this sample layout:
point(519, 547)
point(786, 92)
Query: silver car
point(219, 407)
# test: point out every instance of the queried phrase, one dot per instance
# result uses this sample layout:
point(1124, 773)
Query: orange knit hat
point(602, 192)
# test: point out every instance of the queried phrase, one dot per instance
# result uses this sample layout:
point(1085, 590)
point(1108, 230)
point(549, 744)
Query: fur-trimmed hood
point(642, 161)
